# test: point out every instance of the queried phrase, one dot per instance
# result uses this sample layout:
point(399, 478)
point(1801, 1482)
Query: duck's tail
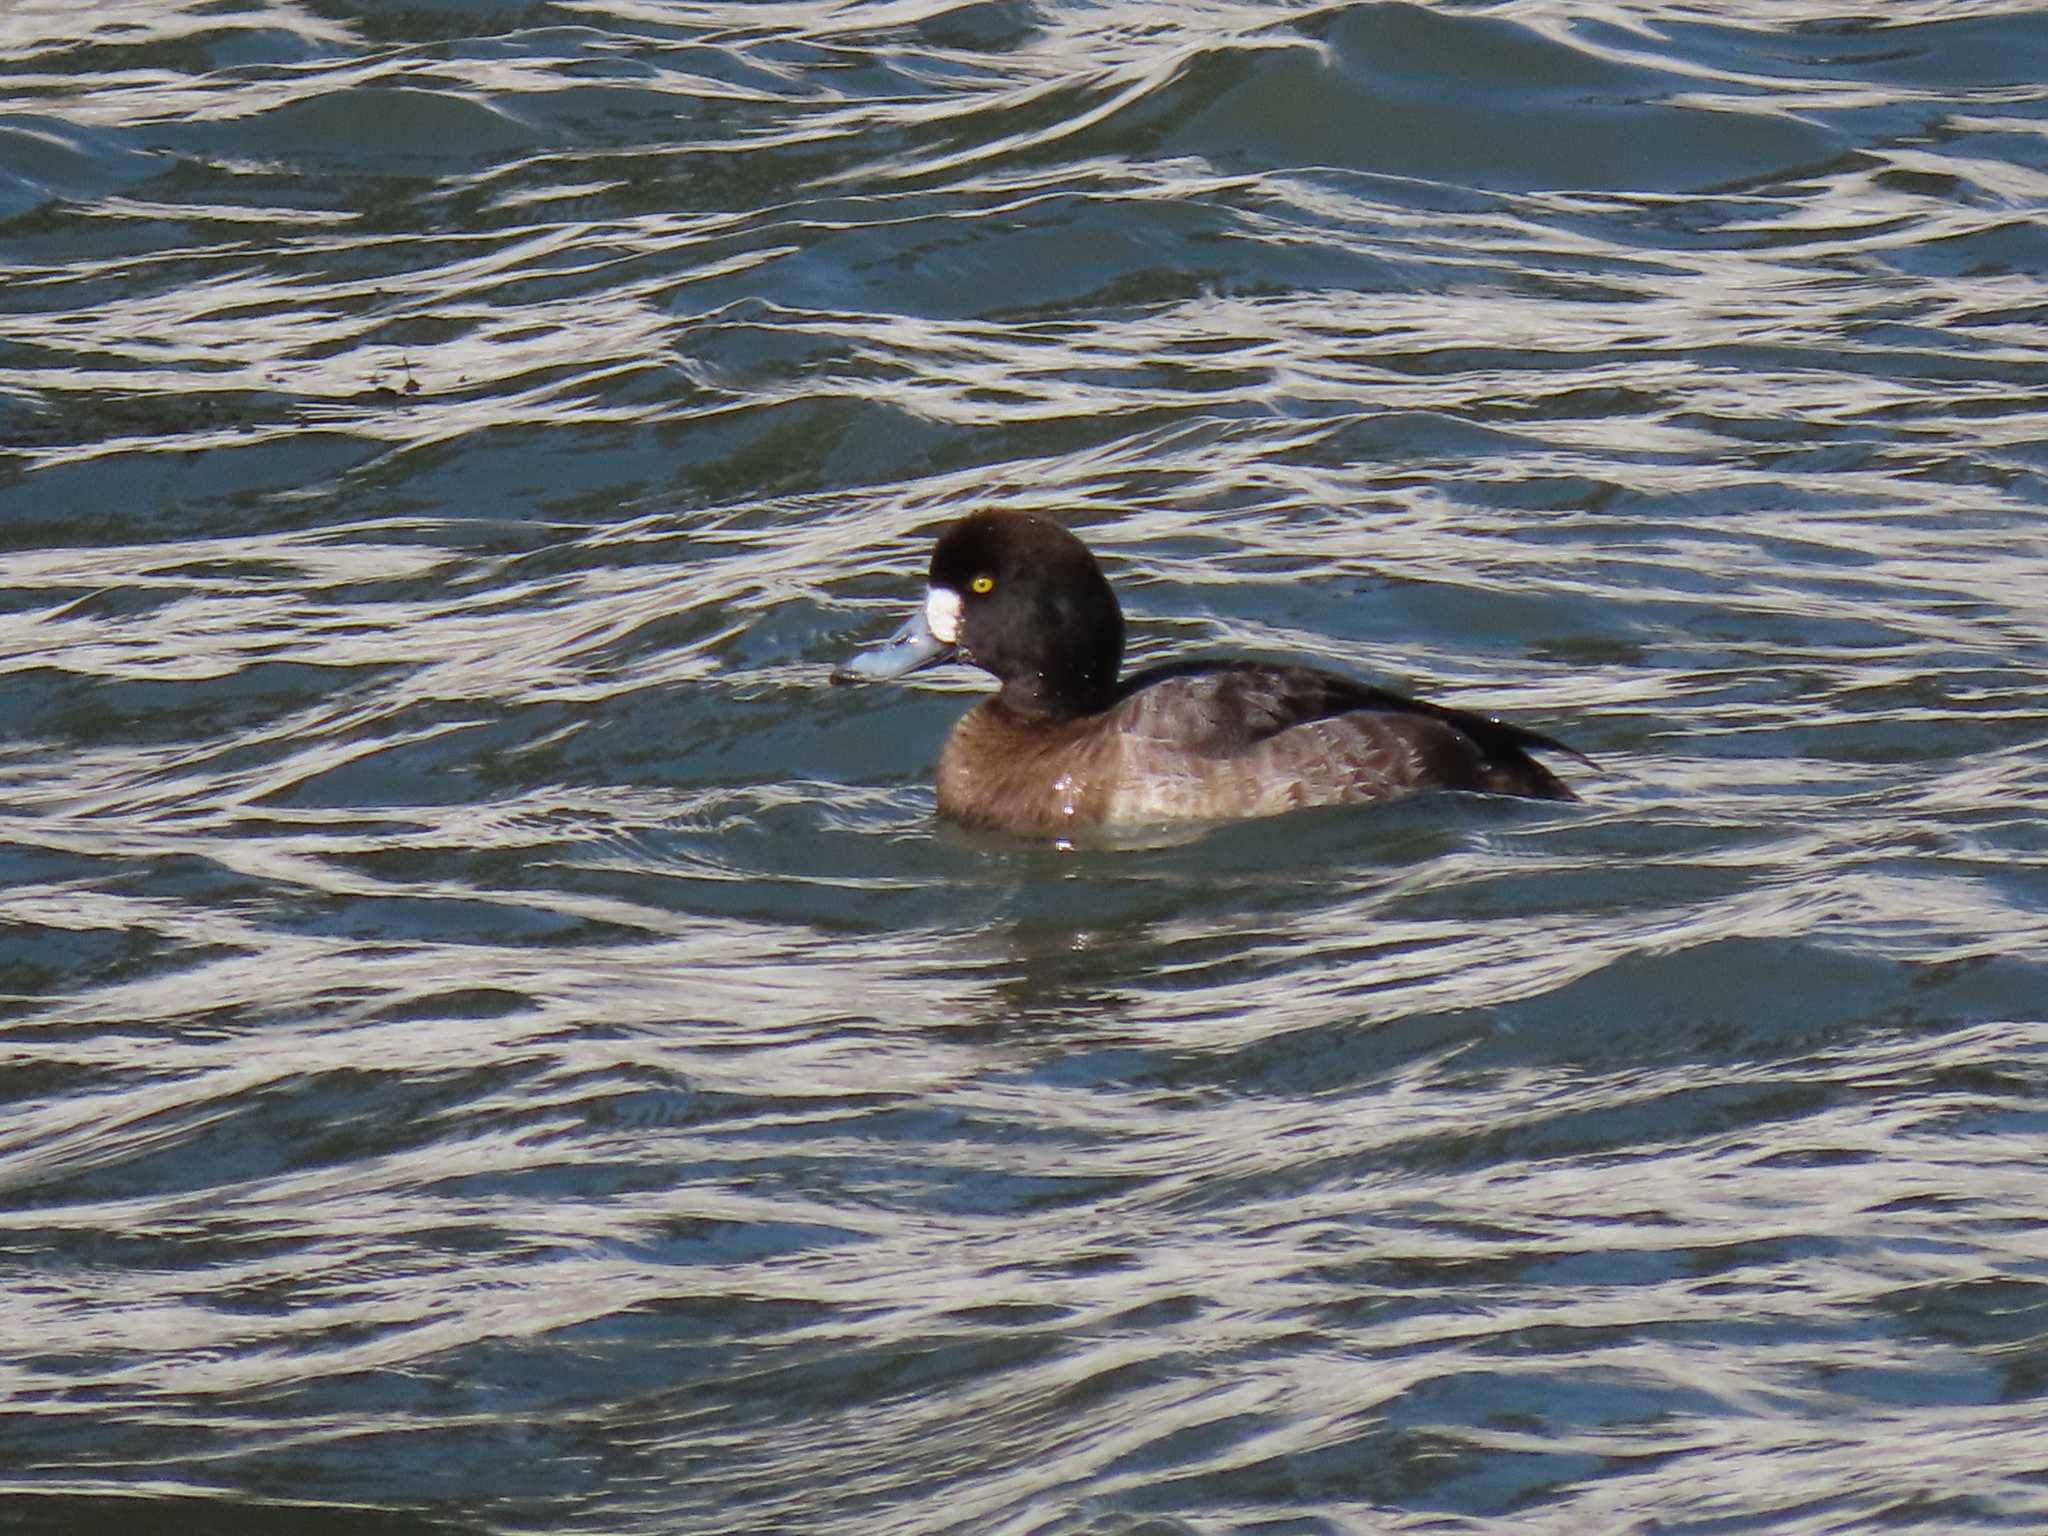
point(1510, 770)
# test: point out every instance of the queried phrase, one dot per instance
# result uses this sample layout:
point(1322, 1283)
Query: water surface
point(494, 1042)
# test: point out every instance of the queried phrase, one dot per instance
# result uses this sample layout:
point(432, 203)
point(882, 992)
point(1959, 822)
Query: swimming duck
point(1064, 746)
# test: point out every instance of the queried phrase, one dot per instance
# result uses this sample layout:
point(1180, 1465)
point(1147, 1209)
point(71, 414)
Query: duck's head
point(1022, 598)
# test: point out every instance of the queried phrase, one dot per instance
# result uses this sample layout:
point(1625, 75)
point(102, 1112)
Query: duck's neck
point(1037, 696)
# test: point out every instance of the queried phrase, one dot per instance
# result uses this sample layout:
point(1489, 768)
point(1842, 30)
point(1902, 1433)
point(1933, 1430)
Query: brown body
point(1217, 744)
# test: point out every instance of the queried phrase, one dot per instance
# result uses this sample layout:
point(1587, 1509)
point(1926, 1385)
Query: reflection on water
point(495, 1042)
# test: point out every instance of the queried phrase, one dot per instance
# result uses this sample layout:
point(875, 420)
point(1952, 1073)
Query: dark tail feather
point(1506, 768)
point(1511, 741)
point(1516, 773)
point(1510, 770)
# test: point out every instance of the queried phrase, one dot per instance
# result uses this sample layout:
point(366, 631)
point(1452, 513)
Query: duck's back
point(1273, 738)
point(1222, 740)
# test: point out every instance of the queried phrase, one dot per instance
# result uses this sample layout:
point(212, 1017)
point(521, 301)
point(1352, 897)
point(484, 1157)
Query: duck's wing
point(1234, 709)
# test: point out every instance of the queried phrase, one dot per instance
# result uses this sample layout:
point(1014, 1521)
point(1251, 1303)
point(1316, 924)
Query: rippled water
point(494, 1042)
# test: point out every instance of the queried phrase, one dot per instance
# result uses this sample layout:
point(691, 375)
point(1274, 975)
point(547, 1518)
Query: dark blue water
point(493, 1042)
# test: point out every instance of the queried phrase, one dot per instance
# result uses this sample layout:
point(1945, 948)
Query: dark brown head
point(1020, 597)
point(1035, 610)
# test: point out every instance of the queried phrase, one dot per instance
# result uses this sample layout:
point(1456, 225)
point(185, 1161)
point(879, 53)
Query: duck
point(1068, 746)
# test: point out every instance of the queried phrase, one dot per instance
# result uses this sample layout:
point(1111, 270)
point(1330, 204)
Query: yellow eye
point(981, 586)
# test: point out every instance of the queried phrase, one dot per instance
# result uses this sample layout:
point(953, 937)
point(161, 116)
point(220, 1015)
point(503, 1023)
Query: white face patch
point(942, 615)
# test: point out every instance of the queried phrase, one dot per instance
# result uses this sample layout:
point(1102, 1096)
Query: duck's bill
point(911, 647)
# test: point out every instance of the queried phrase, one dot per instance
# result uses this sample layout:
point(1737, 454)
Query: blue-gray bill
point(911, 647)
